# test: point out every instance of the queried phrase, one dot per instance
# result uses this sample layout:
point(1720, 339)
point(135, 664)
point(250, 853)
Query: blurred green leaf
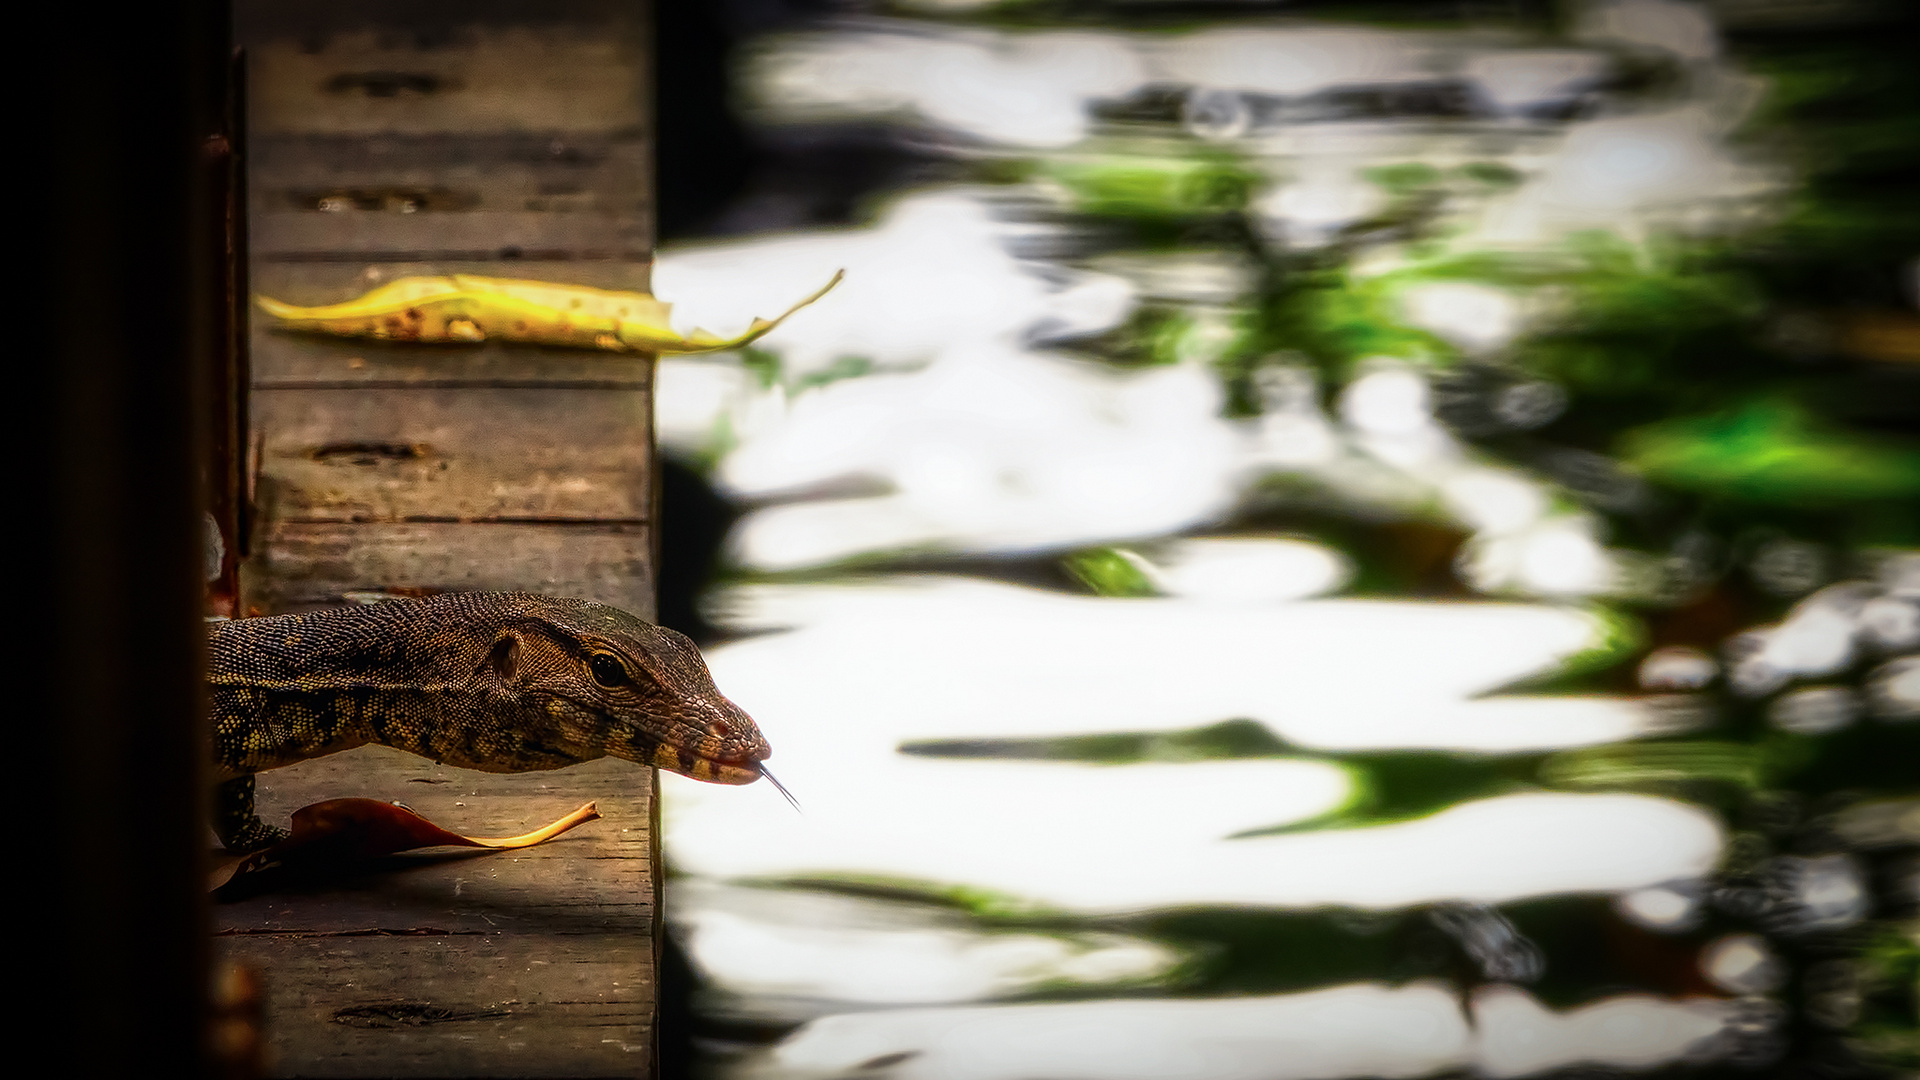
point(1490, 173)
point(1619, 636)
point(1403, 177)
point(1154, 185)
point(1109, 572)
point(1339, 320)
point(1771, 451)
point(1394, 786)
point(1657, 765)
point(1226, 740)
point(844, 367)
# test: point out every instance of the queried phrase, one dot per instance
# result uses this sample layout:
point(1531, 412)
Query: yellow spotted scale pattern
point(499, 682)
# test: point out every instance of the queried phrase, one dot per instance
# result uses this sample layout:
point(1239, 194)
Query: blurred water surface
point(1317, 541)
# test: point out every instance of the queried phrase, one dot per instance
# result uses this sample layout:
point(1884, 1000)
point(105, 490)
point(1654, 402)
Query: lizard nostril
point(719, 729)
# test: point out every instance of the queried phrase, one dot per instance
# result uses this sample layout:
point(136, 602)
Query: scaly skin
point(499, 682)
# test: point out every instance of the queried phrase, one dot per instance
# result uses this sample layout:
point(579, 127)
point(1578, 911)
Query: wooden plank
point(295, 361)
point(519, 963)
point(310, 21)
point(459, 454)
point(343, 279)
point(281, 359)
point(381, 194)
point(545, 887)
point(454, 172)
point(489, 80)
point(498, 231)
point(422, 137)
point(492, 1006)
point(301, 565)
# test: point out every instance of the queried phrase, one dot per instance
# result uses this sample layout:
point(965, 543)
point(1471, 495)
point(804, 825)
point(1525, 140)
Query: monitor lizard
point(499, 682)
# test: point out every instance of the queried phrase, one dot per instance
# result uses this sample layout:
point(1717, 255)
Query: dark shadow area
point(694, 520)
point(122, 262)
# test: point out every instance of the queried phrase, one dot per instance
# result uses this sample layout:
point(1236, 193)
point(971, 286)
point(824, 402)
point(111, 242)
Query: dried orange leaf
point(541, 835)
point(468, 309)
point(341, 832)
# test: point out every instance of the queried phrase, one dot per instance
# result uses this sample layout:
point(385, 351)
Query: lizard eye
point(607, 671)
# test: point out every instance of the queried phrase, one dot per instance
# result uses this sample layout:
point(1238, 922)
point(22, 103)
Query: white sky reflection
point(991, 448)
point(1244, 569)
point(978, 431)
point(940, 657)
point(970, 440)
point(1031, 89)
point(1355, 1030)
point(933, 272)
point(864, 667)
point(809, 952)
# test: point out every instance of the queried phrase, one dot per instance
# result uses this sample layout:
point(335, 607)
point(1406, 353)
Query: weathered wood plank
point(556, 79)
point(335, 280)
point(493, 1005)
point(516, 963)
point(462, 454)
point(311, 21)
point(300, 565)
point(451, 172)
point(281, 359)
point(592, 880)
point(534, 963)
point(315, 195)
point(499, 231)
point(419, 137)
point(294, 361)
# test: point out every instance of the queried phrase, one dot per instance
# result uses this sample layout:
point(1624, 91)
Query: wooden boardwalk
point(502, 139)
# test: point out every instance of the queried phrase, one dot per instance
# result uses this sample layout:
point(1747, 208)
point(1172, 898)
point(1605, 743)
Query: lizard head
point(608, 683)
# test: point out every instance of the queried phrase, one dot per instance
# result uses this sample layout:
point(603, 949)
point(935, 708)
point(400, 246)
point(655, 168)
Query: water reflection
point(797, 955)
point(1363, 1030)
point(1292, 532)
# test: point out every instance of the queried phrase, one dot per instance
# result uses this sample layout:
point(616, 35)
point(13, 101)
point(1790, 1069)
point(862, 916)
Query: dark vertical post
point(225, 192)
point(112, 341)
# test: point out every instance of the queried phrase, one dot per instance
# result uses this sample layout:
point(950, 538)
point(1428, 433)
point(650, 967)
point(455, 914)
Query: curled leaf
point(467, 308)
point(338, 833)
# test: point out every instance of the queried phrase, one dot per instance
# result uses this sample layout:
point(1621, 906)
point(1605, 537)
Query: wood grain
point(517, 963)
point(510, 140)
point(516, 1006)
point(403, 175)
point(299, 565)
point(453, 454)
point(316, 196)
point(503, 232)
point(552, 79)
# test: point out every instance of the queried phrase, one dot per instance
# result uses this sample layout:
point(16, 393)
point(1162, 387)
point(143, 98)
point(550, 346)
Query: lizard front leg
point(240, 829)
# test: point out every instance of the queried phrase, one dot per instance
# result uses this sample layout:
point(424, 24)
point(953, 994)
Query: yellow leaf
point(467, 308)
